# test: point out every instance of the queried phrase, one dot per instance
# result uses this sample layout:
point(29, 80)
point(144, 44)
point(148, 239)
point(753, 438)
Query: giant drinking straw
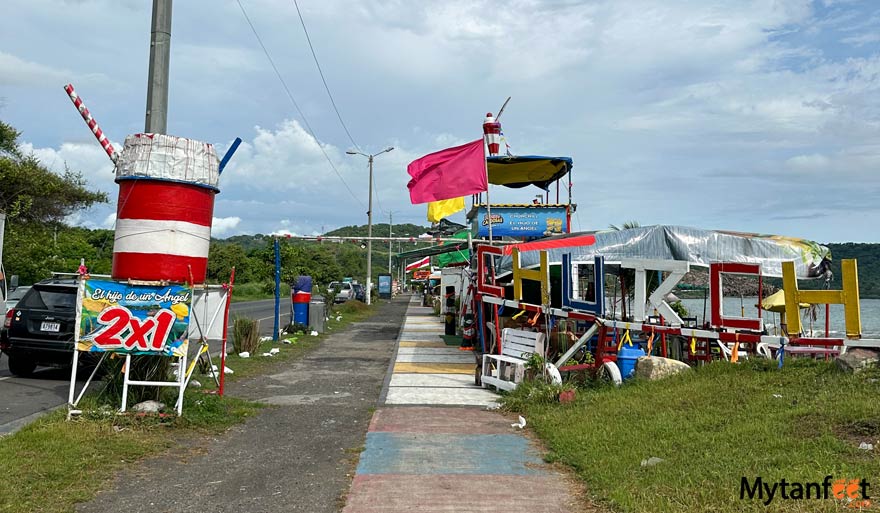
point(93, 125)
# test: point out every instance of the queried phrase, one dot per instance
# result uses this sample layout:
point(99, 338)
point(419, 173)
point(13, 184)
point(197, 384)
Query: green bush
point(351, 307)
point(245, 335)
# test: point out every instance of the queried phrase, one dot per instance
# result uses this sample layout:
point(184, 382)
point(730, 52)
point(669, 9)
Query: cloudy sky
point(758, 116)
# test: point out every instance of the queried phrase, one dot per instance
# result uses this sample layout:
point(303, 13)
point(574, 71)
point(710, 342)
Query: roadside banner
point(133, 319)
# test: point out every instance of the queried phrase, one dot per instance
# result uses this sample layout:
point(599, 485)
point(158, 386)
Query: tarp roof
point(694, 245)
point(439, 249)
point(521, 171)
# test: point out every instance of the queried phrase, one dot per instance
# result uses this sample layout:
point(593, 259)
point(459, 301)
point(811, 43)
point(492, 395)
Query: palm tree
point(626, 226)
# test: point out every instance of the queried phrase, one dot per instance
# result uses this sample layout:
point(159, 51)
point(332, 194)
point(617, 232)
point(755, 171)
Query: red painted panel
point(158, 267)
point(165, 201)
point(485, 282)
point(564, 242)
point(808, 341)
point(715, 272)
point(398, 493)
point(434, 420)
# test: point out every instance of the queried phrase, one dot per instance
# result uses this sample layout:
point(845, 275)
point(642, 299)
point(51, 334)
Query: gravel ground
point(298, 455)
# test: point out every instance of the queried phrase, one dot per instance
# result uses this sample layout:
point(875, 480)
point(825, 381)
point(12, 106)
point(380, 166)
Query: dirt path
point(296, 456)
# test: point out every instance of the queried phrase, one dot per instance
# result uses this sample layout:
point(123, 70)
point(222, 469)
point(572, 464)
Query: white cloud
point(87, 158)
point(708, 95)
point(222, 225)
point(814, 162)
point(18, 72)
point(15, 71)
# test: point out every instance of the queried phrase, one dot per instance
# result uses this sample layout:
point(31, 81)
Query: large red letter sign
point(124, 330)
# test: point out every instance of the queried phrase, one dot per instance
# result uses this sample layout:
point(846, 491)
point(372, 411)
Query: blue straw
point(229, 153)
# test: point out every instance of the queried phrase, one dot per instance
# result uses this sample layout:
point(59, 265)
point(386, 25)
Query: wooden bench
point(516, 348)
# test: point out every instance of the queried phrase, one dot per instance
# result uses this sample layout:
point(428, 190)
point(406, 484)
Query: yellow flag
point(437, 210)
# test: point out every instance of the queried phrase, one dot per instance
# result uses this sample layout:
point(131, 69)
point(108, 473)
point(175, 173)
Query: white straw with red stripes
point(93, 125)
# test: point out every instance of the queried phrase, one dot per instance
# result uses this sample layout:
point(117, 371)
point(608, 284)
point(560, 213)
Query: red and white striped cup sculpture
point(166, 202)
point(492, 134)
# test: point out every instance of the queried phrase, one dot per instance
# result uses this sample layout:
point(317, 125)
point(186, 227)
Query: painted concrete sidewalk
point(435, 447)
point(427, 371)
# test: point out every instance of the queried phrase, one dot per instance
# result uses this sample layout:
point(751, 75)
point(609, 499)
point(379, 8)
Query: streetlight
point(370, 218)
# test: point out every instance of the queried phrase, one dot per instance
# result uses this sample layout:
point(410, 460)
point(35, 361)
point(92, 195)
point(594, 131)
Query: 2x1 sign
point(122, 318)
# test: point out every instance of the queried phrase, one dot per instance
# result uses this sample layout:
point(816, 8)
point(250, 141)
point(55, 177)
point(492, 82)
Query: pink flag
point(449, 173)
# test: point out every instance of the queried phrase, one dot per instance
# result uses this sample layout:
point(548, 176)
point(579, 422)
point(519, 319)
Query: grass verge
point(253, 291)
point(712, 427)
point(52, 464)
point(291, 346)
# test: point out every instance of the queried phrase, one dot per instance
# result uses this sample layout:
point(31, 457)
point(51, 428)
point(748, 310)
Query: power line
point(321, 72)
point(296, 105)
point(330, 95)
point(376, 194)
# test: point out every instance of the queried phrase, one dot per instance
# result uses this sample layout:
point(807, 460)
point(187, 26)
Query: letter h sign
point(848, 297)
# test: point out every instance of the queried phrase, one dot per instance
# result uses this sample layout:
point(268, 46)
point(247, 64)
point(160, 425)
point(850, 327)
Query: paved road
point(24, 399)
point(297, 456)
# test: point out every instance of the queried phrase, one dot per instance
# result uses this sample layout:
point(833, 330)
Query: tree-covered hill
point(868, 257)
point(379, 230)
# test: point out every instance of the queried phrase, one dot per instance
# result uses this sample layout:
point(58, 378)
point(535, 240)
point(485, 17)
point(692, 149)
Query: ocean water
point(733, 306)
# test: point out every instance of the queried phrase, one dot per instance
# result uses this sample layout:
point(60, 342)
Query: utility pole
point(370, 237)
point(390, 234)
point(277, 326)
point(401, 265)
point(2, 229)
point(160, 58)
point(3, 281)
point(370, 218)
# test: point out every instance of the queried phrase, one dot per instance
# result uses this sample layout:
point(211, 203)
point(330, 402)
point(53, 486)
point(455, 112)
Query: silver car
point(16, 294)
point(346, 292)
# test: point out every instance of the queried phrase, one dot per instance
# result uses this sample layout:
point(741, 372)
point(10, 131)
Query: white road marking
point(265, 318)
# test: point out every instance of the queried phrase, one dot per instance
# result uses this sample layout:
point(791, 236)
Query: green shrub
point(245, 335)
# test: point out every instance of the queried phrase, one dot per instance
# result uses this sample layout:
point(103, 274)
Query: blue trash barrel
point(301, 294)
point(301, 307)
point(626, 359)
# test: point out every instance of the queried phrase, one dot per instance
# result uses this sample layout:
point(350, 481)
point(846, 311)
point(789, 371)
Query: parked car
point(346, 292)
point(39, 329)
point(15, 295)
point(332, 287)
point(359, 292)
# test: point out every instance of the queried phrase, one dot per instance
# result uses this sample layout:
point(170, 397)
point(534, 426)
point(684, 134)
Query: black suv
point(39, 330)
point(359, 292)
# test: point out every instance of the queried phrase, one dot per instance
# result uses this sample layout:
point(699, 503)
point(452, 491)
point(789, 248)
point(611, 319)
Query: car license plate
point(50, 326)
